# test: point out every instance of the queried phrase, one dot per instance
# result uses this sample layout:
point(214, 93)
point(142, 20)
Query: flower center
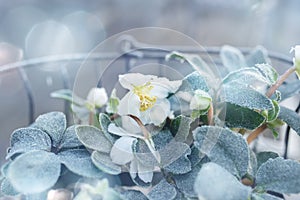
point(143, 92)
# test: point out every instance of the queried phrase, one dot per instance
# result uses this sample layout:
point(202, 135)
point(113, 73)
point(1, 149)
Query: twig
point(279, 82)
point(147, 138)
point(269, 93)
point(256, 133)
point(210, 114)
point(91, 118)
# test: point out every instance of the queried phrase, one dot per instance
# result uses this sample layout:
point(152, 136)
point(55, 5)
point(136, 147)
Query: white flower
point(296, 59)
point(97, 97)
point(296, 49)
point(147, 97)
point(122, 153)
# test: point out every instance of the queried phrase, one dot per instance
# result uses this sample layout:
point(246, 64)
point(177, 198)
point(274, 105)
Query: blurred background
point(34, 28)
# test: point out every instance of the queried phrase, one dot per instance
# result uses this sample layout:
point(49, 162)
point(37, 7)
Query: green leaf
point(259, 55)
point(133, 194)
point(232, 58)
point(214, 182)
point(252, 167)
point(93, 138)
point(200, 67)
point(28, 139)
point(53, 123)
point(245, 97)
point(297, 65)
point(81, 113)
point(239, 117)
point(68, 95)
point(194, 157)
point(70, 139)
point(37, 196)
point(4, 169)
point(264, 196)
point(104, 163)
point(192, 82)
point(98, 189)
point(247, 76)
point(113, 103)
point(273, 114)
point(162, 191)
point(143, 154)
point(224, 147)
point(104, 121)
point(180, 166)
point(290, 117)
point(171, 153)
point(268, 72)
point(183, 181)
point(34, 172)
point(7, 188)
point(289, 89)
point(162, 139)
point(279, 175)
point(65, 94)
point(79, 161)
point(180, 128)
point(263, 157)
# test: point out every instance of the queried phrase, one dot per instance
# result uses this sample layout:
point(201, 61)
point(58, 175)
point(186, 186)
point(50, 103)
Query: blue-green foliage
point(186, 157)
point(37, 153)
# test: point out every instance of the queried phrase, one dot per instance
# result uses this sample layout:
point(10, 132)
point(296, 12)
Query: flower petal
point(121, 152)
point(129, 104)
point(145, 173)
point(112, 128)
point(163, 87)
point(134, 79)
point(130, 125)
point(160, 111)
point(133, 168)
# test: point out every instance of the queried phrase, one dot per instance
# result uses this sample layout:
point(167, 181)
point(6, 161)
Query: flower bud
point(200, 101)
point(296, 59)
point(97, 97)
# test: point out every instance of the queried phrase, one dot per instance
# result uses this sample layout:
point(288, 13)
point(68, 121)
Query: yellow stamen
point(143, 92)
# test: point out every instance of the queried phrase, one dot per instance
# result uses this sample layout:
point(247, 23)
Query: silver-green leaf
point(93, 138)
point(245, 96)
point(79, 162)
point(34, 172)
point(162, 191)
point(53, 123)
point(279, 175)
point(240, 117)
point(214, 182)
point(28, 139)
point(232, 58)
point(104, 163)
point(224, 147)
point(290, 117)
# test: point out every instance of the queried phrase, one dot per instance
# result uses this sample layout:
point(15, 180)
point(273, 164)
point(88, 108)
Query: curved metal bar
point(29, 94)
point(136, 50)
point(287, 135)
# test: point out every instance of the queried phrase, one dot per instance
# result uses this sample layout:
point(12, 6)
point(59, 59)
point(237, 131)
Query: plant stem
point(210, 115)
point(256, 133)
point(147, 138)
point(279, 82)
point(143, 128)
point(269, 93)
point(91, 118)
